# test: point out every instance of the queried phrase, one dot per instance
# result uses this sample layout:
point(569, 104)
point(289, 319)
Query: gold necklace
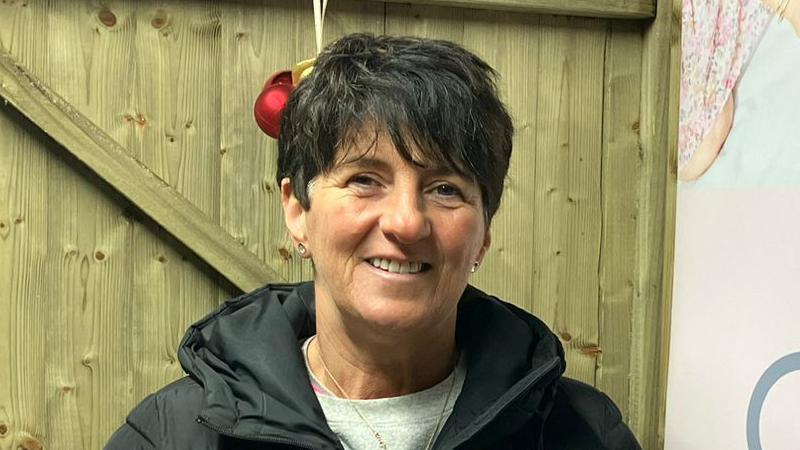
point(381, 442)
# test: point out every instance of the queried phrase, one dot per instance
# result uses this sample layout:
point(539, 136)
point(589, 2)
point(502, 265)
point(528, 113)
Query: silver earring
point(302, 249)
point(474, 267)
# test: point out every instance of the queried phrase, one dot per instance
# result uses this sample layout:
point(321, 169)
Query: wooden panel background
point(94, 297)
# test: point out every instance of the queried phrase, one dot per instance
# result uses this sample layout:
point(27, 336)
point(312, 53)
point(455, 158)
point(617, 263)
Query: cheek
point(462, 238)
point(338, 226)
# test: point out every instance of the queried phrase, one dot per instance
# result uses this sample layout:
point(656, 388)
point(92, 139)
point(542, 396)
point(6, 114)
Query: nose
point(403, 216)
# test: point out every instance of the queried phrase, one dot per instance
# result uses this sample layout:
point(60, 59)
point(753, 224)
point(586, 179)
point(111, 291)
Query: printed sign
point(734, 371)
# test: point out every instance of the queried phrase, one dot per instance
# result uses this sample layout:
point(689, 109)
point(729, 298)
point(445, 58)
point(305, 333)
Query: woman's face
point(392, 242)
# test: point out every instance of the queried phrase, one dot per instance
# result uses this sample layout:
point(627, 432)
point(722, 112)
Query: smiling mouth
point(391, 266)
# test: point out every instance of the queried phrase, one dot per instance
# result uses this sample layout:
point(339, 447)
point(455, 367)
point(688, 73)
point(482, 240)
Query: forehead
point(376, 151)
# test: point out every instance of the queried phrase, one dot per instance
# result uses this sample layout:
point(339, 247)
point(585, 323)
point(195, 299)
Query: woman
point(392, 156)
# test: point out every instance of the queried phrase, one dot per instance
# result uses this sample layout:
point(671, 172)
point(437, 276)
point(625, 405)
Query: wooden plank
point(24, 207)
point(621, 178)
point(255, 46)
point(656, 231)
point(567, 204)
point(171, 123)
point(93, 267)
point(611, 9)
point(135, 181)
point(98, 295)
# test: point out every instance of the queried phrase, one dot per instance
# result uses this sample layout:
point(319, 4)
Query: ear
point(293, 213)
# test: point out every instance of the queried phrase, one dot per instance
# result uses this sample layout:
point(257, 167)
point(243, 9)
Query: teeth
point(395, 266)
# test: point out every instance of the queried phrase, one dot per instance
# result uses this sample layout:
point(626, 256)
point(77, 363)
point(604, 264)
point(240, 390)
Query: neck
point(359, 367)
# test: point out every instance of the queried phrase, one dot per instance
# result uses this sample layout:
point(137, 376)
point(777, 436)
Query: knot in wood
point(30, 443)
point(107, 17)
point(160, 19)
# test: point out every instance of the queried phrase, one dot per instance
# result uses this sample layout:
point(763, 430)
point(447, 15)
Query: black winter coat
point(248, 387)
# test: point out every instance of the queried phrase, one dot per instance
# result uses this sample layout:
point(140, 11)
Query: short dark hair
point(432, 98)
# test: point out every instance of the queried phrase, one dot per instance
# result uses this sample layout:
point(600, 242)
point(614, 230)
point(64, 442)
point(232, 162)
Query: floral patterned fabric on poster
point(719, 37)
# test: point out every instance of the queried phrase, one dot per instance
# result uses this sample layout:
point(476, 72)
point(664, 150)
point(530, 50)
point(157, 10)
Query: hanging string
point(319, 20)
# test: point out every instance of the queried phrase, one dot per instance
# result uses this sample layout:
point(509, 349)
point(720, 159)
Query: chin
point(395, 316)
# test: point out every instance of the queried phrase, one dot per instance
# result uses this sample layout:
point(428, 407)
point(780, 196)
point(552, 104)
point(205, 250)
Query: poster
point(734, 371)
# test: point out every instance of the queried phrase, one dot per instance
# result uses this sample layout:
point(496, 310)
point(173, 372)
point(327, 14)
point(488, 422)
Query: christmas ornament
point(271, 102)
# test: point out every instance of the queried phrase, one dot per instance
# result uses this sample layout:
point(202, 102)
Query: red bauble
point(270, 103)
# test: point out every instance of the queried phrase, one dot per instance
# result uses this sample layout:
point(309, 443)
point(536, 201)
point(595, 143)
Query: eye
point(448, 190)
point(363, 181)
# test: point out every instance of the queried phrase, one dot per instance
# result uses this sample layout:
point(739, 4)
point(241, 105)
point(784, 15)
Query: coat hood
point(246, 356)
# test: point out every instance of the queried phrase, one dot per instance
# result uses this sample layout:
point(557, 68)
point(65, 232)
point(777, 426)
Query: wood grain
point(97, 319)
point(656, 229)
point(77, 282)
point(621, 177)
point(171, 122)
point(24, 208)
point(619, 9)
point(130, 177)
point(567, 181)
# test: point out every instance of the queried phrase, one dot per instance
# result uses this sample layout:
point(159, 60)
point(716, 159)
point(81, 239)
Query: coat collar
point(247, 357)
